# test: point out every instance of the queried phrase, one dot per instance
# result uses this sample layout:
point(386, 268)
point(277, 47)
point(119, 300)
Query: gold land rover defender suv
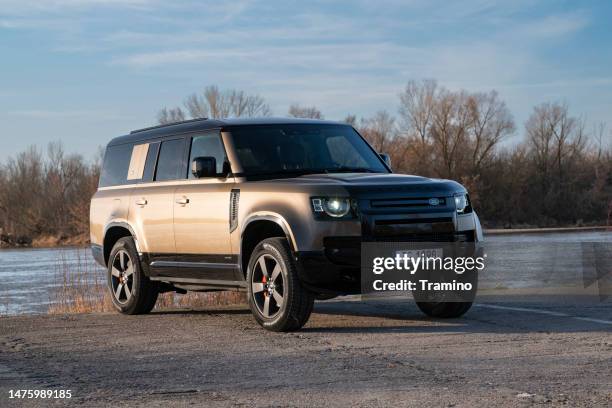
point(275, 207)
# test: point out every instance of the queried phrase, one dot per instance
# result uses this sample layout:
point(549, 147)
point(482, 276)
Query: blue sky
point(85, 71)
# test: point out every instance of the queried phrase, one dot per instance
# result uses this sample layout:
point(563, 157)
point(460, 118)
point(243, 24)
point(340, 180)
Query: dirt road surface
point(350, 354)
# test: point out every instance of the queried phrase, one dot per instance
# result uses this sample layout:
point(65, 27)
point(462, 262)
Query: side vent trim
point(233, 210)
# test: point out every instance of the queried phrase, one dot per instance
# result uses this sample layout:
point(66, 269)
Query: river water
point(30, 278)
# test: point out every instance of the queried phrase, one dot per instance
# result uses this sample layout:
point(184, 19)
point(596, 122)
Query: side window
point(170, 160)
point(116, 163)
point(207, 145)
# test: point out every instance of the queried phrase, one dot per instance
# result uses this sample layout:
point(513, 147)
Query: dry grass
point(198, 300)
point(82, 289)
point(54, 241)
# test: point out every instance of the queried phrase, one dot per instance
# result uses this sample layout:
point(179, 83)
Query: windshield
point(273, 150)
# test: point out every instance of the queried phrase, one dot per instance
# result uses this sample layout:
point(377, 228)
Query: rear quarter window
point(116, 163)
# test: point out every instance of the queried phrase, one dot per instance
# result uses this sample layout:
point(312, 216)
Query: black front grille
point(408, 221)
point(420, 202)
point(429, 237)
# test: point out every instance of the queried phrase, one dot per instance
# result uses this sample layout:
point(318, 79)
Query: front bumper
point(337, 268)
point(333, 265)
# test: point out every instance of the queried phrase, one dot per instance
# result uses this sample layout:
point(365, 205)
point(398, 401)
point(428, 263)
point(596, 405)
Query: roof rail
point(167, 124)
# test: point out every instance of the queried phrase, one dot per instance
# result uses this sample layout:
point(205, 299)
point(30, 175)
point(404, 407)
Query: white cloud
point(357, 60)
point(553, 26)
point(28, 7)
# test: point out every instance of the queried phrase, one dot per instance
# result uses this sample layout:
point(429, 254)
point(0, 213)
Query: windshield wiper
point(303, 172)
point(292, 172)
point(347, 169)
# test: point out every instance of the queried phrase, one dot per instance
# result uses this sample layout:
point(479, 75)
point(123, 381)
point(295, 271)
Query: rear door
point(201, 216)
point(151, 206)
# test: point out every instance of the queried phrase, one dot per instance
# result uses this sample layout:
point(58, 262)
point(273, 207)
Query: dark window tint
point(208, 145)
point(294, 149)
point(116, 164)
point(149, 169)
point(170, 160)
point(344, 153)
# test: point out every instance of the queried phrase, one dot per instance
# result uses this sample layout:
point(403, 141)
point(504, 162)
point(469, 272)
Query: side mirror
point(204, 167)
point(386, 158)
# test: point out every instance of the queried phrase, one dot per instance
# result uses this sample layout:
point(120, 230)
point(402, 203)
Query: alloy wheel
point(268, 286)
point(122, 277)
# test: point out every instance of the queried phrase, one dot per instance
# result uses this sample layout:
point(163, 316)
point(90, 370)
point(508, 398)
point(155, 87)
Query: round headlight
point(461, 203)
point(336, 207)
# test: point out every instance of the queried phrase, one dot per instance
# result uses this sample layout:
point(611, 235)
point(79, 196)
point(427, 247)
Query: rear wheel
point(131, 291)
point(276, 298)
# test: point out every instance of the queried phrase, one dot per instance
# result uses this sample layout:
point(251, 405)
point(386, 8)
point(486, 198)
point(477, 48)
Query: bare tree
point(557, 143)
point(555, 137)
point(491, 122)
point(248, 105)
point(307, 112)
point(351, 120)
point(449, 132)
point(66, 182)
point(215, 103)
point(379, 130)
point(171, 115)
point(457, 132)
point(417, 104)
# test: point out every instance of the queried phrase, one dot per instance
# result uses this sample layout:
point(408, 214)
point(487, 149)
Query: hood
point(374, 183)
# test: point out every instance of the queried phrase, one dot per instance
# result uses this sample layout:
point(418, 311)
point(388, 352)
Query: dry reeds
point(82, 288)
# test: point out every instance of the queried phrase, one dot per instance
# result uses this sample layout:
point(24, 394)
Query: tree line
point(559, 172)
point(44, 197)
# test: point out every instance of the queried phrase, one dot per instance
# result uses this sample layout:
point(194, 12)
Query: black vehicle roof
point(195, 125)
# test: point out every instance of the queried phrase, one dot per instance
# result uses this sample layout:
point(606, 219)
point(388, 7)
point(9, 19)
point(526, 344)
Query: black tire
point(296, 301)
point(463, 301)
point(444, 309)
point(138, 293)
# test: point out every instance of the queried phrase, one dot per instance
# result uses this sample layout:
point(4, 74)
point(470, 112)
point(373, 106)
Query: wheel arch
point(113, 233)
point(259, 227)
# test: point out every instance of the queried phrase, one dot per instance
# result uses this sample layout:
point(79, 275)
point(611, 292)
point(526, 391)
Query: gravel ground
point(381, 353)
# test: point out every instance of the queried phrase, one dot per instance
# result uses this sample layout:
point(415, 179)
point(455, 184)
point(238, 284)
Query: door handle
point(182, 201)
point(142, 202)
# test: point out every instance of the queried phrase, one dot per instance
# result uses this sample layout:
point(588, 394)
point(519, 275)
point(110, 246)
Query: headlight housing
point(462, 203)
point(334, 207)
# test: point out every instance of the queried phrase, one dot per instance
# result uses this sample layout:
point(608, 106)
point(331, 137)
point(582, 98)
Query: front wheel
point(130, 290)
point(276, 297)
point(444, 309)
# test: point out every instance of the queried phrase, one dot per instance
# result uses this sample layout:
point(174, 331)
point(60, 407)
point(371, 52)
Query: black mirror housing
point(204, 167)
